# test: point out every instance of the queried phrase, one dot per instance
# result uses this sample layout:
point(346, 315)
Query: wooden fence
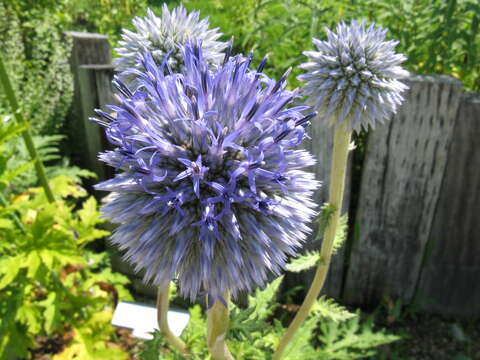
point(416, 233)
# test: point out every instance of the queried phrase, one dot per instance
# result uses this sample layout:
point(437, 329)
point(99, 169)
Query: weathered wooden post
point(95, 90)
point(84, 137)
point(401, 183)
point(449, 282)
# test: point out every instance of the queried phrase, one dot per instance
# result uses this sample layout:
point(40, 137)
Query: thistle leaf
point(304, 262)
point(341, 233)
point(263, 299)
point(328, 308)
point(300, 347)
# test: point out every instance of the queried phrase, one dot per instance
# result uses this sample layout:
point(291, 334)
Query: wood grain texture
point(450, 278)
point(402, 176)
point(320, 145)
point(87, 49)
point(91, 131)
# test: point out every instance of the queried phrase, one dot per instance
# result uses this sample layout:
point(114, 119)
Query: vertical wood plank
point(402, 176)
point(450, 278)
point(87, 49)
point(94, 92)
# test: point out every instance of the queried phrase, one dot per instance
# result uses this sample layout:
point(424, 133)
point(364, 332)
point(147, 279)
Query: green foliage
point(304, 262)
point(38, 53)
point(105, 16)
point(341, 234)
point(48, 149)
point(312, 258)
point(326, 212)
point(438, 37)
point(264, 300)
point(351, 339)
point(329, 309)
point(330, 332)
point(50, 284)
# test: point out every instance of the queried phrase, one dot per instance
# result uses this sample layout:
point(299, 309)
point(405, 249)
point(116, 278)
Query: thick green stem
point(217, 326)
point(337, 183)
point(27, 137)
point(162, 313)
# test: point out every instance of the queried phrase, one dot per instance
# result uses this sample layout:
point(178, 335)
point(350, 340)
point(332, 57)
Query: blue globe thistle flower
point(354, 76)
point(210, 186)
point(166, 35)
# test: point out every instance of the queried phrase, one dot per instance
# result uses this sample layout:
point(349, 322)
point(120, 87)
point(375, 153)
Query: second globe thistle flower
point(165, 35)
point(210, 188)
point(353, 76)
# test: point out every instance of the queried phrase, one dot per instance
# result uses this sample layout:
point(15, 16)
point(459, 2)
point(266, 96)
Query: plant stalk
point(338, 169)
point(162, 313)
point(27, 136)
point(217, 326)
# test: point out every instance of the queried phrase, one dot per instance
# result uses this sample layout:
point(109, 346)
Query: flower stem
point(162, 312)
point(338, 169)
point(217, 326)
point(27, 136)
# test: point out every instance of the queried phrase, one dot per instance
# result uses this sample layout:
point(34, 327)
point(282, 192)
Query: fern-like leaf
point(311, 258)
point(328, 308)
point(304, 262)
point(341, 233)
point(351, 339)
point(262, 302)
point(300, 348)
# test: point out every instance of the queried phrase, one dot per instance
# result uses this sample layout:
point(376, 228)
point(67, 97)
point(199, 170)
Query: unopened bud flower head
point(353, 76)
point(166, 35)
point(210, 188)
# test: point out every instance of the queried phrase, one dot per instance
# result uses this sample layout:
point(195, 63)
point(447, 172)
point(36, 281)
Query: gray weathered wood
point(402, 176)
point(321, 146)
point(95, 91)
point(450, 277)
point(87, 49)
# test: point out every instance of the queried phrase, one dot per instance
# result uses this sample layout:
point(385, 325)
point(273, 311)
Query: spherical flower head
point(166, 35)
point(353, 76)
point(210, 187)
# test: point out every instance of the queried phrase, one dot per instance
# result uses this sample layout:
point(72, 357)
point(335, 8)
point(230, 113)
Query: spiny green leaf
point(300, 348)
point(341, 233)
point(328, 308)
point(326, 212)
point(304, 262)
point(351, 339)
point(312, 258)
point(263, 299)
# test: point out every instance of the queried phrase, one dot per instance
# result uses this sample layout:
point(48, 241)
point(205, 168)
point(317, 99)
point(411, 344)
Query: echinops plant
point(211, 188)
